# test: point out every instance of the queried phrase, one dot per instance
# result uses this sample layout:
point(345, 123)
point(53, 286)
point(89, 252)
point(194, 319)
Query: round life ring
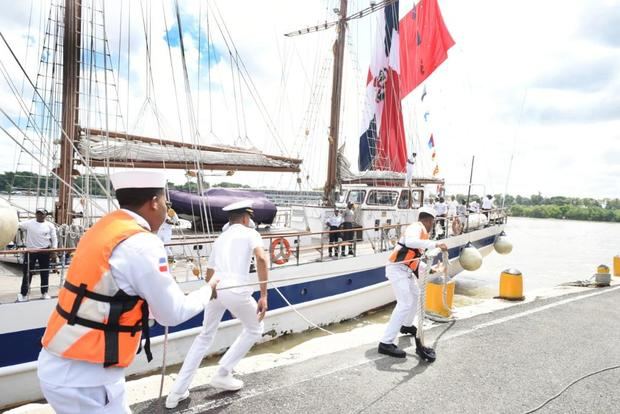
point(280, 251)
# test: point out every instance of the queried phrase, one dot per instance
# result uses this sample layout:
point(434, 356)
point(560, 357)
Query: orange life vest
point(410, 257)
point(94, 320)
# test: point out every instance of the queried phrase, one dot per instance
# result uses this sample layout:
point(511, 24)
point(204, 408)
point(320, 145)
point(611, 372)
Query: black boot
point(391, 350)
point(410, 330)
point(427, 354)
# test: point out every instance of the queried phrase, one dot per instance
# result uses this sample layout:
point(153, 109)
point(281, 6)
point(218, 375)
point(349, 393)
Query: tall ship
point(76, 132)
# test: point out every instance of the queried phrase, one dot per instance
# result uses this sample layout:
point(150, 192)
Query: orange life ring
point(280, 251)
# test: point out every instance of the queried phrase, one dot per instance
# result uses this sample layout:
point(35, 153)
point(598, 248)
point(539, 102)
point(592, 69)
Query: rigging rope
point(57, 123)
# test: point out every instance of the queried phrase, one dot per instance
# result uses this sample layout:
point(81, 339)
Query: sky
point(531, 88)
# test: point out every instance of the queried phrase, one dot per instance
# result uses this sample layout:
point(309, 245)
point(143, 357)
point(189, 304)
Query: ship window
point(403, 201)
point(382, 198)
point(342, 197)
point(356, 196)
point(416, 198)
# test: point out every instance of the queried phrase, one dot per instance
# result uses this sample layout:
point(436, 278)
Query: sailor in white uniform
point(404, 280)
point(487, 204)
point(78, 386)
point(230, 262)
point(165, 230)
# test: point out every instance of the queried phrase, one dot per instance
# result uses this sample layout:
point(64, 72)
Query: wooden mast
point(334, 123)
point(70, 99)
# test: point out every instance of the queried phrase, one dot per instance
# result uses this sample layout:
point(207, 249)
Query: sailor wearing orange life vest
point(119, 272)
point(402, 271)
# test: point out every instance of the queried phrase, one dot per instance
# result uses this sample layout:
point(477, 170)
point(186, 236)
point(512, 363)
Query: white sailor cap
point(239, 206)
point(428, 210)
point(138, 179)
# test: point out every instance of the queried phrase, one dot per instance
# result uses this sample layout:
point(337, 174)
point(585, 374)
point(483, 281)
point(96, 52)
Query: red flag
point(424, 44)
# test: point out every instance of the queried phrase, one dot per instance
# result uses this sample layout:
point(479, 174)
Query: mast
point(334, 123)
point(70, 100)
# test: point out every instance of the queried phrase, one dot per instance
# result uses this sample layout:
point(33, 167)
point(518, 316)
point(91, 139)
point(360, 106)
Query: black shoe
point(410, 330)
point(351, 254)
point(391, 350)
point(427, 354)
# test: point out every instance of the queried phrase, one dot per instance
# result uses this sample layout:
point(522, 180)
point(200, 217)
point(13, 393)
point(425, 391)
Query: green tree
point(537, 199)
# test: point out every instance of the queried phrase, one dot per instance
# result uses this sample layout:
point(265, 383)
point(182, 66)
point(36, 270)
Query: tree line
point(28, 183)
point(557, 207)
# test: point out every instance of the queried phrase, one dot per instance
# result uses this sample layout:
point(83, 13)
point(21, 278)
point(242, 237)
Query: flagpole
point(471, 175)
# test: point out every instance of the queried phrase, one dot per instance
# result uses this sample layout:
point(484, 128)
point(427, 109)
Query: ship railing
point(454, 225)
point(303, 247)
point(194, 252)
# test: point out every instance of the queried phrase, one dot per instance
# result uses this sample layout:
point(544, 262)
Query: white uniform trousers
point(407, 293)
point(243, 307)
point(108, 399)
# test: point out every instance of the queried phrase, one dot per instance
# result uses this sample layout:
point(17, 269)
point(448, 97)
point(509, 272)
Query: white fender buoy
point(470, 258)
point(502, 244)
point(8, 223)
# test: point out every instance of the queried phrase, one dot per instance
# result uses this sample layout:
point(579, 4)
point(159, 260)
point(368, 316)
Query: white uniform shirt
point(441, 208)
point(487, 203)
point(452, 208)
point(165, 230)
point(232, 255)
point(135, 266)
point(39, 235)
point(334, 221)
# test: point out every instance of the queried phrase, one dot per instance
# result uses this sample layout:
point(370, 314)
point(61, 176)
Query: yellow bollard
point(511, 285)
point(434, 298)
point(602, 277)
point(617, 265)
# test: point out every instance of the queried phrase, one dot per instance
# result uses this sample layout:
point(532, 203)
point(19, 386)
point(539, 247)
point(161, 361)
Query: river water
point(548, 253)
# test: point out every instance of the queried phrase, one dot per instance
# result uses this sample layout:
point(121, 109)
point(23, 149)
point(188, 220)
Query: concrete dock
point(507, 361)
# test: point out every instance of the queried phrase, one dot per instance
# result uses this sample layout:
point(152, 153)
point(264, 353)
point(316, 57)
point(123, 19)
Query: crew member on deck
point(333, 223)
point(402, 271)
point(165, 230)
point(40, 234)
point(487, 204)
point(347, 236)
point(229, 261)
point(441, 213)
point(119, 272)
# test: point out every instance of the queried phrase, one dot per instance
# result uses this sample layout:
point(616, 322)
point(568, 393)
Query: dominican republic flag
point(163, 264)
point(382, 143)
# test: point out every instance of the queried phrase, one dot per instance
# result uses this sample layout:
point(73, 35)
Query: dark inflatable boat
point(194, 206)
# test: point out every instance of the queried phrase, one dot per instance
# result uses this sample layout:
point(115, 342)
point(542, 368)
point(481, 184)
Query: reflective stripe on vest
point(410, 257)
point(94, 320)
